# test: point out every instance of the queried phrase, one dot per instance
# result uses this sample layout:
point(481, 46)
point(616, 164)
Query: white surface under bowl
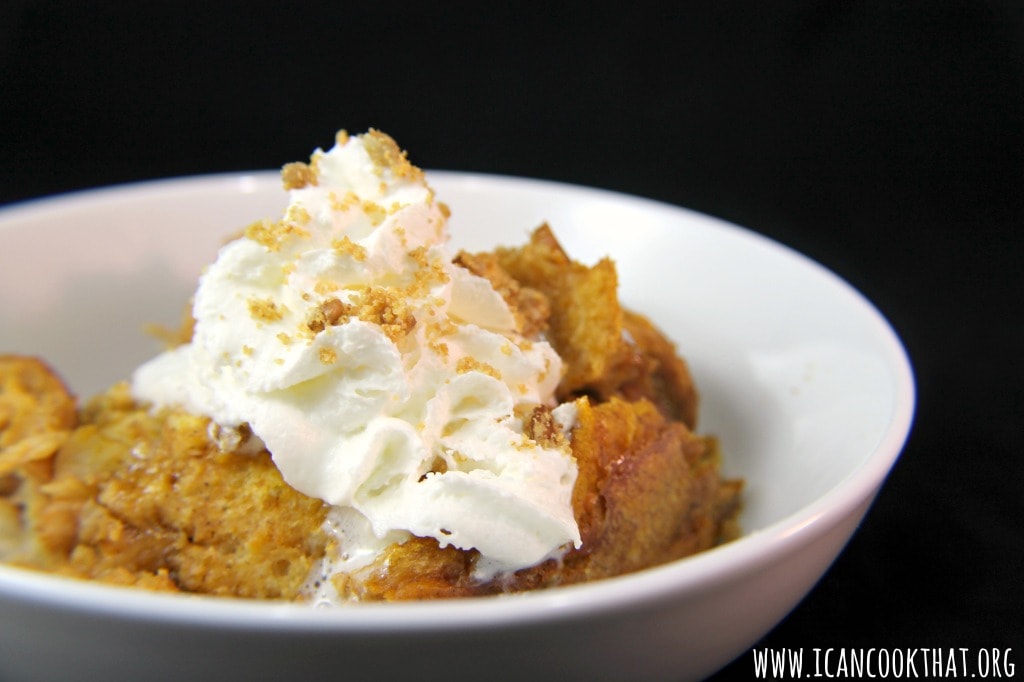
point(805, 383)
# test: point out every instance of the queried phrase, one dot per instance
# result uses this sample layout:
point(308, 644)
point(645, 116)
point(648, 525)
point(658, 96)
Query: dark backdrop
point(882, 139)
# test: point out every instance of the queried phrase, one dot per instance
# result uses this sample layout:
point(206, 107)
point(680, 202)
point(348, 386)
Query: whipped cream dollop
point(382, 377)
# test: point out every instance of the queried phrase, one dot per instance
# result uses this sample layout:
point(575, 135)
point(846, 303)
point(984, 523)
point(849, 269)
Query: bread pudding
point(355, 413)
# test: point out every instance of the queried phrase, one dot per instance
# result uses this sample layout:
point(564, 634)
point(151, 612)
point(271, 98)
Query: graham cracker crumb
point(540, 426)
point(266, 309)
point(468, 364)
point(272, 234)
point(298, 175)
point(386, 155)
point(346, 246)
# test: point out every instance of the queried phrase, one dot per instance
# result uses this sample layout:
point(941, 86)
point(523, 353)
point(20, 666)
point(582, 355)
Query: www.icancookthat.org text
point(884, 663)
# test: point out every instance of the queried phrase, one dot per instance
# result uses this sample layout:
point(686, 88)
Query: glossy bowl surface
point(803, 380)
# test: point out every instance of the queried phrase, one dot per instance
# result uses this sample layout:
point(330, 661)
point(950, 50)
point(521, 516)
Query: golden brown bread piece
point(654, 371)
point(586, 327)
point(608, 350)
point(153, 501)
point(36, 414)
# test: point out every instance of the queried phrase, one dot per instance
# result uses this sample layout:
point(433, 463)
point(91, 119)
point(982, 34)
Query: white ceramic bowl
point(805, 383)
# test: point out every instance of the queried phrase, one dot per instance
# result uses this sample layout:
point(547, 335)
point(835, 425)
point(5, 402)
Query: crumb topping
point(469, 364)
point(297, 214)
point(272, 234)
point(343, 204)
point(388, 309)
point(386, 155)
point(329, 313)
point(541, 427)
point(400, 233)
point(375, 212)
point(266, 309)
point(298, 175)
point(347, 247)
point(382, 306)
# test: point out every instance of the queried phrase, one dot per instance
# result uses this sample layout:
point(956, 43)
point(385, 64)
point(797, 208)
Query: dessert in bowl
point(801, 380)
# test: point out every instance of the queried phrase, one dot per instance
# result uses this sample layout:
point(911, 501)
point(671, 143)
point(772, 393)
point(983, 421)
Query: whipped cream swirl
point(381, 376)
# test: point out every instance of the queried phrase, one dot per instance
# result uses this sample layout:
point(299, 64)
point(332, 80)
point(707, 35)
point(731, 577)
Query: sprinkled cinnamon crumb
point(419, 254)
point(266, 310)
point(541, 427)
point(328, 356)
point(298, 175)
point(388, 309)
point(385, 154)
point(297, 214)
point(402, 236)
point(325, 286)
point(327, 314)
point(346, 246)
point(375, 212)
point(428, 275)
point(334, 310)
point(440, 348)
point(271, 235)
point(542, 377)
point(343, 204)
point(315, 159)
point(468, 364)
point(440, 329)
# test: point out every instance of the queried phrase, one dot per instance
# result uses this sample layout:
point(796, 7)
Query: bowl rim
point(705, 570)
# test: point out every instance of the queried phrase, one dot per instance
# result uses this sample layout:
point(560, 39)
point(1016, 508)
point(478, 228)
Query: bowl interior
point(801, 378)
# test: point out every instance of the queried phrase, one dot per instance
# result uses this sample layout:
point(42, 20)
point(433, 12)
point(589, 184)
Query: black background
point(885, 140)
